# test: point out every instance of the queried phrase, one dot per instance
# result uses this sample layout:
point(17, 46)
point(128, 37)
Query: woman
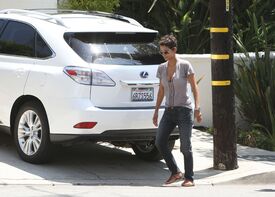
point(174, 75)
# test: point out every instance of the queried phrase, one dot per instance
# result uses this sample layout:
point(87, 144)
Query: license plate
point(142, 94)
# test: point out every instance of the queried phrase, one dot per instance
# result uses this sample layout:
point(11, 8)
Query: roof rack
point(52, 11)
point(116, 16)
point(35, 14)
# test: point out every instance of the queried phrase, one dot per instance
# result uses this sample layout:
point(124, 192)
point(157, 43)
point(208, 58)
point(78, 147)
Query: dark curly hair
point(169, 41)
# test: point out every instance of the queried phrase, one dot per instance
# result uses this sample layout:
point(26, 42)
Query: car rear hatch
point(124, 67)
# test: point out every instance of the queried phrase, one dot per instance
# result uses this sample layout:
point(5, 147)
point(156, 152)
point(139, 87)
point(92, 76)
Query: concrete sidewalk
point(104, 164)
point(255, 165)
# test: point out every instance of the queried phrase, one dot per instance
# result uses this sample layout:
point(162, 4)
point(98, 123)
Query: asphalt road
point(136, 191)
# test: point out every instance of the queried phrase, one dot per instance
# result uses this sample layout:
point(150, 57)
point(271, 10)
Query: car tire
point(148, 151)
point(31, 133)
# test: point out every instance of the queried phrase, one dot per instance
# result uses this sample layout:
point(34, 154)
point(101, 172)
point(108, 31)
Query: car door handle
point(20, 72)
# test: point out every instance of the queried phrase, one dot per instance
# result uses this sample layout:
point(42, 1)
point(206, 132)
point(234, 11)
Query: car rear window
point(115, 48)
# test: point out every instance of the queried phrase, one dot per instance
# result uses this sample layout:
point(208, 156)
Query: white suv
point(76, 75)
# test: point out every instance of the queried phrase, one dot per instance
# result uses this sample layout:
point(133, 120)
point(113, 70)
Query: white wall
point(202, 66)
point(27, 4)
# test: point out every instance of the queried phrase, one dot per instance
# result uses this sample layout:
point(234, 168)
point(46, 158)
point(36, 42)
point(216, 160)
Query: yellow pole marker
point(227, 5)
point(219, 56)
point(221, 83)
point(219, 29)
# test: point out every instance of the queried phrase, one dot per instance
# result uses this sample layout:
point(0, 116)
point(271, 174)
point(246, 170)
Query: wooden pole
point(225, 151)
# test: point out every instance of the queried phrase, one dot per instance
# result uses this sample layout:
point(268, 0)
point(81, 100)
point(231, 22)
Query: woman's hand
point(155, 119)
point(198, 115)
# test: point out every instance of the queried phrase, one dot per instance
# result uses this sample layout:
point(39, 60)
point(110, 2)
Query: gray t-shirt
point(175, 91)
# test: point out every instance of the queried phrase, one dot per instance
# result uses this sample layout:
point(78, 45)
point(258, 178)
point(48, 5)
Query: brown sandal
point(188, 183)
point(174, 178)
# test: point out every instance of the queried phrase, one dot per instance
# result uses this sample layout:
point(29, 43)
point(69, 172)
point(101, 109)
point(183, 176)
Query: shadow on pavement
point(86, 164)
point(206, 173)
point(254, 154)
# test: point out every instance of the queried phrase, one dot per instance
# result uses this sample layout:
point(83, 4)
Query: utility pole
point(225, 151)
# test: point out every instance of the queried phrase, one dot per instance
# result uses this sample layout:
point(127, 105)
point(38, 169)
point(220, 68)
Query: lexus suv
point(69, 75)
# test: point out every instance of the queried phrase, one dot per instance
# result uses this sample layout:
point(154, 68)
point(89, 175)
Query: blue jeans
point(183, 118)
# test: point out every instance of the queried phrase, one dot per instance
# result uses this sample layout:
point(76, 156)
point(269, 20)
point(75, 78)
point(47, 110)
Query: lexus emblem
point(144, 74)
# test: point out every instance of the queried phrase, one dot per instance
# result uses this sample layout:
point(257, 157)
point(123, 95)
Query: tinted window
point(112, 48)
point(41, 48)
point(2, 24)
point(17, 39)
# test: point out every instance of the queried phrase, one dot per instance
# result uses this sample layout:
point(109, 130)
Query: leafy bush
point(96, 5)
point(254, 138)
point(188, 20)
point(254, 24)
point(258, 34)
point(255, 88)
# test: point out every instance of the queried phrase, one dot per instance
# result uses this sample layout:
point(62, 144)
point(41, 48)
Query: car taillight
point(101, 79)
point(79, 74)
point(88, 76)
point(85, 125)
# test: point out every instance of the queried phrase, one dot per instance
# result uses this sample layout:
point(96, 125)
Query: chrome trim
point(128, 108)
point(140, 83)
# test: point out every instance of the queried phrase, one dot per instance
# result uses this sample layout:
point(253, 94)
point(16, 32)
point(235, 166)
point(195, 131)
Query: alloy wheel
point(29, 132)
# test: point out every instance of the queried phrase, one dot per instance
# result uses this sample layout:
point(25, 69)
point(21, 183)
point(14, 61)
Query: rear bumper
point(131, 135)
point(116, 124)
